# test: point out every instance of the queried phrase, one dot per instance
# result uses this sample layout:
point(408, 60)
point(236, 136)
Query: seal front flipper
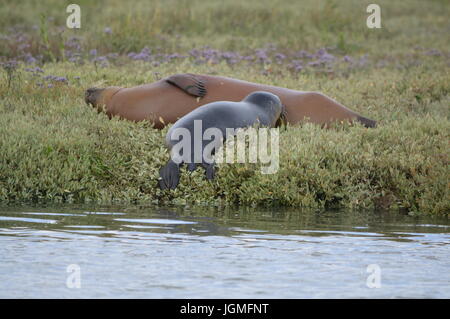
point(169, 175)
point(190, 83)
point(209, 170)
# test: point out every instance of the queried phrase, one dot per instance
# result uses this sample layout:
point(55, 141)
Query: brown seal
point(167, 100)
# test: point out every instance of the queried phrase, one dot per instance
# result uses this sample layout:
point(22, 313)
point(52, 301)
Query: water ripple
point(28, 220)
point(183, 254)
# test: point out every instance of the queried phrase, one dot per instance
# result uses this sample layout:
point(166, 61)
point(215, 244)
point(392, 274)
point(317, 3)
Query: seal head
point(269, 103)
point(92, 95)
point(99, 98)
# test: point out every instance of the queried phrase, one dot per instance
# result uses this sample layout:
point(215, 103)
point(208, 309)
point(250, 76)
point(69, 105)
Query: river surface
point(148, 252)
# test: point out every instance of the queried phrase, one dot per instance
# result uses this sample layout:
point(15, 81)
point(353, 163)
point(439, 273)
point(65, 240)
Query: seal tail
point(169, 175)
point(367, 122)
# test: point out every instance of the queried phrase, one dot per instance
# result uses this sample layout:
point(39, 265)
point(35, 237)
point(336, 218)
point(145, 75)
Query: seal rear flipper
point(209, 170)
point(169, 176)
point(367, 122)
point(190, 83)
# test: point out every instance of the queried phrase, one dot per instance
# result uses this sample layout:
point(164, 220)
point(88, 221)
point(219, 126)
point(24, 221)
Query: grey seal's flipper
point(191, 84)
point(209, 170)
point(169, 175)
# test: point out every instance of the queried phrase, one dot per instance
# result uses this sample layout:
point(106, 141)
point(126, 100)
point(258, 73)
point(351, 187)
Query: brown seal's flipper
point(191, 84)
point(367, 122)
point(282, 120)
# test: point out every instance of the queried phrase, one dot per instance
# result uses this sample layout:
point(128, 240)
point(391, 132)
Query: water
point(147, 252)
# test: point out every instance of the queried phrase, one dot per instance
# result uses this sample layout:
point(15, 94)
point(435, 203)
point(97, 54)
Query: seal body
point(167, 100)
point(218, 119)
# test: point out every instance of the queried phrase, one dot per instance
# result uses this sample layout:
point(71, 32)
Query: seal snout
point(91, 95)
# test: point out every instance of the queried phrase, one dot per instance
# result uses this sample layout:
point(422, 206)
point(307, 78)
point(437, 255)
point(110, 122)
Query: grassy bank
point(54, 147)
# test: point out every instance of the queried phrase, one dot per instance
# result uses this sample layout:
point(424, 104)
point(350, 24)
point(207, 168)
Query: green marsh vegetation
point(55, 148)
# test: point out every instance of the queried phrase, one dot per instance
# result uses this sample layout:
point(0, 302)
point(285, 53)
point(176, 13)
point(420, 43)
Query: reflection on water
point(147, 252)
